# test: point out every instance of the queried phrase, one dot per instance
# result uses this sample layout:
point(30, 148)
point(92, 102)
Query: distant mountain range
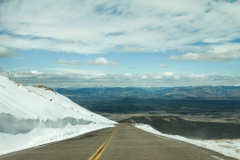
point(192, 92)
point(202, 92)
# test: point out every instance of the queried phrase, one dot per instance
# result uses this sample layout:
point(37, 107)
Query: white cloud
point(35, 72)
point(168, 74)
point(101, 61)
point(127, 75)
point(162, 66)
point(86, 27)
point(4, 52)
point(217, 54)
point(71, 63)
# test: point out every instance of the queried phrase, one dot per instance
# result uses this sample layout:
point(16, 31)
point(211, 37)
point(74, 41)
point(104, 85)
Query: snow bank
point(226, 147)
point(31, 116)
point(42, 135)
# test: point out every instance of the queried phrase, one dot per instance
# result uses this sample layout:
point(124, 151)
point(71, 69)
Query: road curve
point(124, 142)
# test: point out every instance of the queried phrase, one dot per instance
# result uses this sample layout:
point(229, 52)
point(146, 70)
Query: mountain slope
point(33, 102)
point(31, 116)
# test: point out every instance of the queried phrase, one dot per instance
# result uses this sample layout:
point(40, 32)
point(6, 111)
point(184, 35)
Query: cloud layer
point(188, 30)
point(74, 78)
point(86, 27)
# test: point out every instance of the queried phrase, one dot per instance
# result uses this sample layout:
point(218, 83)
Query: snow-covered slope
point(31, 116)
point(33, 103)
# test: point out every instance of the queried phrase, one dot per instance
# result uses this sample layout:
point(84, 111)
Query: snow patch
point(42, 135)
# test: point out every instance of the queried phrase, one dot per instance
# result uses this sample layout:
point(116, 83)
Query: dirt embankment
point(190, 129)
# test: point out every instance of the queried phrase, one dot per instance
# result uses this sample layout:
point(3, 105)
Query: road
point(121, 143)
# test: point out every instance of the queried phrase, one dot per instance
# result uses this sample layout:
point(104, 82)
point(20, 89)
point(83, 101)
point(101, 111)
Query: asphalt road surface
point(124, 142)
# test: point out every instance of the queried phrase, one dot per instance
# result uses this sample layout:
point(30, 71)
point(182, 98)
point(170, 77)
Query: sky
point(137, 43)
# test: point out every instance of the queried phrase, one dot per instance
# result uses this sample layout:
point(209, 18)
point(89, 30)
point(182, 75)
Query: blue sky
point(120, 43)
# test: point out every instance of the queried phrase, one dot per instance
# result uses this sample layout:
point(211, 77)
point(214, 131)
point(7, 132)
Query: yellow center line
point(97, 154)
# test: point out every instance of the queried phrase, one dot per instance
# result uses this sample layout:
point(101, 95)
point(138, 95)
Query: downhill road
point(121, 143)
